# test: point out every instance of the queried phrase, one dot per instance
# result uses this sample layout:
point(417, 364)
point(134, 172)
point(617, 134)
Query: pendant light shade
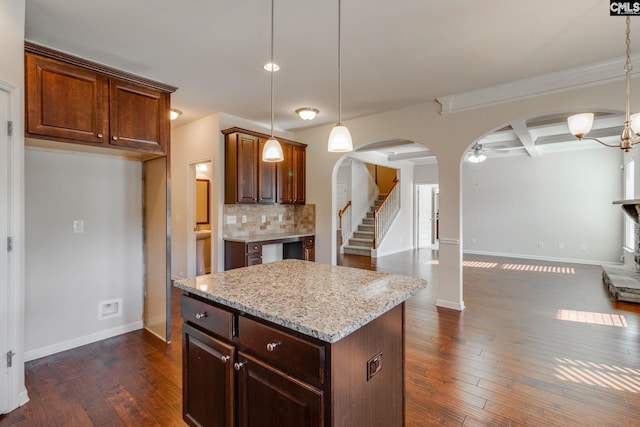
point(340, 137)
point(272, 151)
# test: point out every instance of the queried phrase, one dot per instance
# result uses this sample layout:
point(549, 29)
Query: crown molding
point(573, 78)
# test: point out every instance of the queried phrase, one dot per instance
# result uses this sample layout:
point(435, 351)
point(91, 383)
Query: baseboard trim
point(459, 306)
point(541, 258)
point(80, 341)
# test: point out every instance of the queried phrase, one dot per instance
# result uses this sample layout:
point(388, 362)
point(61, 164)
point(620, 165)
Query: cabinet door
point(266, 177)
point(247, 172)
point(285, 175)
point(207, 380)
point(65, 101)
point(139, 117)
point(268, 397)
point(298, 165)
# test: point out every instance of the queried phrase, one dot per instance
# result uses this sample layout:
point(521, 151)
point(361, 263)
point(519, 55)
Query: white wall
point(562, 200)
point(68, 274)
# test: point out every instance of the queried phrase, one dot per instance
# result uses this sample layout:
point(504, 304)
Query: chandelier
point(581, 124)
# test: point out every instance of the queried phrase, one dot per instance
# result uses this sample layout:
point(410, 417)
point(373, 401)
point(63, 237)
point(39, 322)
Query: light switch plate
point(231, 219)
point(78, 226)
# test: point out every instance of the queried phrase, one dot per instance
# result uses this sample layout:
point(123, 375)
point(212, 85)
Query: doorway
point(427, 215)
point(200, 251)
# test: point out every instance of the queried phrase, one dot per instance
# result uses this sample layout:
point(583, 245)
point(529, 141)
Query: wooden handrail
point(343, 210)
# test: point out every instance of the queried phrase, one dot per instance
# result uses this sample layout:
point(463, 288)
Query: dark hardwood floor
point(539, 344)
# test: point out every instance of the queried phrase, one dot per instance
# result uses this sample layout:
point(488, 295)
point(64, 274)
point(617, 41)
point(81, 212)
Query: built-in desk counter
point(324, 342)
point(247, 251)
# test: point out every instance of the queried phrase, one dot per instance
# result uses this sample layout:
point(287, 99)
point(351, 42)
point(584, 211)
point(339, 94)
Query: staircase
point(361, 242)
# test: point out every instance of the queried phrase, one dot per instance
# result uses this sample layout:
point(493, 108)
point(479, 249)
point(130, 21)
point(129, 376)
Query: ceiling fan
point(477, 152)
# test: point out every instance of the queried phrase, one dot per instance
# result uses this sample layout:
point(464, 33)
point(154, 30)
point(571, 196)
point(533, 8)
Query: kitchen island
point(294, 343)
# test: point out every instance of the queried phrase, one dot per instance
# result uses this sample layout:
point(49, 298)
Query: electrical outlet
point(231, 219)
point(374, 365)
point(280, 217)
point(541, 244)
point(244, 219)
point(263, 218)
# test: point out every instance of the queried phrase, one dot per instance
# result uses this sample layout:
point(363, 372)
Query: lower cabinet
point(208, 379)
point(241, 371)
point(268, 397)
point(224, 385)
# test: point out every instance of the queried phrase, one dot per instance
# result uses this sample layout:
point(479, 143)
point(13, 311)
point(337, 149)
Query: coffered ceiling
point(395, 53)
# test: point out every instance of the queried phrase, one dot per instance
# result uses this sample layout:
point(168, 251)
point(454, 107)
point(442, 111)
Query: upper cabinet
point(250, 180)
point(72, 100)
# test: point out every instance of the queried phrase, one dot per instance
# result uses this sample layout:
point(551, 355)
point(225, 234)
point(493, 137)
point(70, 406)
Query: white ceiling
point(395, 53)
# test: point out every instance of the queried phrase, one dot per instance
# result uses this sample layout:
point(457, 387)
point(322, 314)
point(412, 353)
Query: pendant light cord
point(339, 63)
point(272, 70)
point(628, 67)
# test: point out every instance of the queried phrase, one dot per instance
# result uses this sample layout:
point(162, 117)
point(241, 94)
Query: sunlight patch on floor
point(539, 268)
point(520, 267)
point(598, 374)
point(590, 317)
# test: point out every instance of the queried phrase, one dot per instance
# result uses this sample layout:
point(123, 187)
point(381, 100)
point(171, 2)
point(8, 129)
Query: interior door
point(424, 215)
point(5, 167)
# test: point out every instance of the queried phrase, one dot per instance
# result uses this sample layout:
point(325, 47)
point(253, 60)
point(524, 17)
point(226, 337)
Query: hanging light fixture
point(581, 124)
point(174, 114)
point(272, 151)
point(339, 138)
point(307, 113)
point(477, 156)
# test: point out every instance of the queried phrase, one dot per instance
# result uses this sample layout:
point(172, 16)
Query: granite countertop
point(267, 237)
point(318, 300)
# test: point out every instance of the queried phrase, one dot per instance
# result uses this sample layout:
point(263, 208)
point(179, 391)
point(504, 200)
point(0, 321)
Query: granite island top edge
point(266, 237)
point(318, 300)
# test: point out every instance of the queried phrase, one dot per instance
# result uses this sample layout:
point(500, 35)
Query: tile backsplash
point(262, 220)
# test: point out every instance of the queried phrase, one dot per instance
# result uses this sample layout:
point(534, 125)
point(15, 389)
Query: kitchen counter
point(318, 300)
point(268, 237)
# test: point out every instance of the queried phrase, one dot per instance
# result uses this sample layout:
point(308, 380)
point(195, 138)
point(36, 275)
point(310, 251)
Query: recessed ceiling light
point(307, 113)
point(271, 66)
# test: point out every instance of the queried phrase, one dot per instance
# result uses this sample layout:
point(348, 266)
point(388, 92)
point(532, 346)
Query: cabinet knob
point(115, 138)
point(238, 365)
point(225, 359)
point(201, 315)
point(273, 345)
point(99, 135)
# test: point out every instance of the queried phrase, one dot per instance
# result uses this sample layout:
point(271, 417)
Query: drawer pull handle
point(238, 365)
point(225, 359)
point(115, 138)
point(201, 315)
point(273, 345)
point(99, 135)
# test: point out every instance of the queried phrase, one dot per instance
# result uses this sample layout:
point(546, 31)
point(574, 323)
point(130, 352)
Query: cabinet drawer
point(211, 318)
point(301, 356)
point(254, 248)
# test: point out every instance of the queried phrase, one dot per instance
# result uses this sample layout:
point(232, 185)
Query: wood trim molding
point(260, 135)
point(546, 84)
point(94, 66)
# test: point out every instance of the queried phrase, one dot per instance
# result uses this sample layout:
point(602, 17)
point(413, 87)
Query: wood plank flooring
point(539, 344)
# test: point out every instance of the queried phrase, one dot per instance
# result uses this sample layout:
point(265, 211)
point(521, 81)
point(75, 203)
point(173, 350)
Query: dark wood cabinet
point(242, 254)
point(291, 175)
point(129, 104)
point(52, 86)
point(208, 379)
point(263, 374)
point(250, 180)
point(265, 394)
point(72, 100)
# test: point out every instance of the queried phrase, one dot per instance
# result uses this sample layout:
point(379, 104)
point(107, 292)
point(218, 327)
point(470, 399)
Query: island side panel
point(378, 401)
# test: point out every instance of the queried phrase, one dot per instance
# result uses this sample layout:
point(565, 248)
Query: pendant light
point(272, 151)
point(581, 124)
point(339, 138)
